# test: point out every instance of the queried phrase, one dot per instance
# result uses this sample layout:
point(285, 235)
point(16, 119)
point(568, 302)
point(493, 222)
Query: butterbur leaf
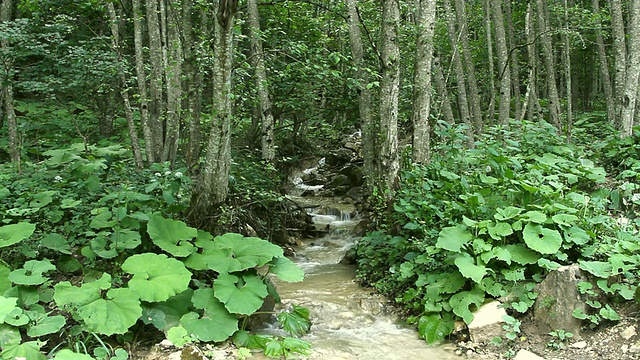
point(179, 336)
point(564, 219)
point(66, 354)
point(433, 328)
point(242, 294)
point(577, 235)
point(172, 236)
point(104, 219)
point(453, 238)
point(541, 239)
point(601, 269)
point(46, 325)
point(499, 230)
point(166, 314)
point(9, 335)
point(295, 321)
point(469, 269)
point(31, 273)
point(113, 315)
point(608, 313)
point(7, 306)
point(27, 350)
point(507, 213)
point(286, 270)
point(522, 255)
point(156, 277)
point(5, 283)
point(462, 301)
point(215, 324)
point(14, 233)
point(534, 216)
point(56, 242)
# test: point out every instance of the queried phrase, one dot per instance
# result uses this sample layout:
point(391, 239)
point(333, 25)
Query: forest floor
point(619, 341)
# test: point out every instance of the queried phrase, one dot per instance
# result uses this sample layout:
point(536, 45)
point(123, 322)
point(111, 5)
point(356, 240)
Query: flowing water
point(349, 321)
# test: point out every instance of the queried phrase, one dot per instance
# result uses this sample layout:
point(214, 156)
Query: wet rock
point(487, 322)
point(557, 298)
point(527, 355)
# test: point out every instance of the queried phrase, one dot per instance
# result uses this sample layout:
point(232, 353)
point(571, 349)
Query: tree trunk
point(215, 174)
point(141, 77)
point(124, 91)
point(422, 80)
point(458, 68)
point(156, 83)
point(389, 95)
point(514, 62)
point(566, 62)
point(632, 75)
point(547, 53)
point(474, 95)
point(6, 10)
point(265, 108)
point(504, 71)
point(531, 99)
point(604, 65)
point(491, 110)
point(173, 79)
point(192, 87)
point(441, 89)
point(619, 56)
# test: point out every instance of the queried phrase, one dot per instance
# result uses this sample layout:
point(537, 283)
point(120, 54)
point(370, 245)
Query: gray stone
point(558, 297)
point(629, 332)
point(527, 355)
point(487, 322)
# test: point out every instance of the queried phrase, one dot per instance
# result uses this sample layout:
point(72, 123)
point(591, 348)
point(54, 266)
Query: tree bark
point(474, 95)
point(141, 77)
point(262, 85)
point(531, 99)
point(566, 62)
point(547, 53)
point(619, 55)
point(491, 110)
point(630, 95)
point(604, 65)
point(441, 88)
point(389, 95)
point(514, 63)
point(369, 126)
point(422, 80)
point(124, 91)
point(173, 79)
point(192, 87)
point(504, 71)
point(156, 83)
point(6, 12)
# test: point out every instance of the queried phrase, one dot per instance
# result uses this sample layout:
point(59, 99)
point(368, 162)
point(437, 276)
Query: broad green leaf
point(31, 273)
point(69, 203)
point(61, 156)
point(166, 314)
point(103, 248)
point(17, 317)
point(7, 306)
point(215, 324)
point(172, 236)
point(564, 219)
point(42, 199)
point(66, 354)
point(513, 274)
point(462, 301)
point(114, 314)
point(468, 268)
point(103, 220)
point(286, 270)
point(9, 335)
point(522, 255)
point(179, 336)
point(46, 325)
point(14, 233)
point(4, 192)
point(56, 242)
point(507, 213)
point(123, 239)
point(548, 264)
point(453, 238)
point(156, 277)
point(577, 235)
point(499, 230)
point(601, 269)
point(5, 283)
point(608, 313)
point(242, 294)
point(433, 328)
point(296, 321)
point(28, 350)
point(534, 216)
point(541, 239)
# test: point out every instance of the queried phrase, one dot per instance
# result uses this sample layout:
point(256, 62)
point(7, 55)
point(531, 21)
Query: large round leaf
point(286, 270)
point(541, 239)
point(32, 272)
point(113, 315)
point(172, 236)
point(14, 233)
point(453, 238)
point(240, 294)
point(156, 277)
point(215, 324)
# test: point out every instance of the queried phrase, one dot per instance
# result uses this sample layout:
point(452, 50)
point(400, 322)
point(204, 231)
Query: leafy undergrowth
point(492, 221)
point(94, 252)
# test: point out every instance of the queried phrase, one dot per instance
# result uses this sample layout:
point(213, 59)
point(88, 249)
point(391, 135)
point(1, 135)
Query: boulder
point(487, 322)
point(558, 297)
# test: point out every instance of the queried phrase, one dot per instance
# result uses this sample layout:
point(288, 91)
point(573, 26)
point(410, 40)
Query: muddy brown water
point(349, 321)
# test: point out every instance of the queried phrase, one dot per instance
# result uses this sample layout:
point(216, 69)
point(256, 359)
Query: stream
point(348, 321)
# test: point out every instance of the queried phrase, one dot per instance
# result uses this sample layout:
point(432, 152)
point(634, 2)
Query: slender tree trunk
point(534, 108)
point(504, 71)
point(124, 91)
point(441, 89)
point(141, 77)
point(156, 83)
point(6, 11)
point(192, 87)
point(547, 52)
point(491, 110)
point(474, 95)
point(369, 126)
point(630, 95)
point(514, 63)
point(215, 175)
point(173, 80)
point(265, 108)
point(566, 60)
point(604, 66)
point(389, 95)
point(458, 68)
point(422, 82)
point(619, 55)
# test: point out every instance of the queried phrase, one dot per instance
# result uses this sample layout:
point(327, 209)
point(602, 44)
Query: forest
point(146, 146)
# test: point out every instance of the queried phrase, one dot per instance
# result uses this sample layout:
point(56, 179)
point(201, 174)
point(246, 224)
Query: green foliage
point(490, 222)
point(559, 339)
